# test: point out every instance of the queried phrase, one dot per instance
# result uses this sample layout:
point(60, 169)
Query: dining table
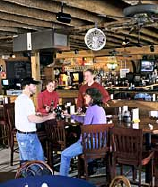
point(47, 181)
point(148, 125)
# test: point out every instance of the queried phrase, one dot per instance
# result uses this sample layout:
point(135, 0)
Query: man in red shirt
point(47, 98)
point(90, 83)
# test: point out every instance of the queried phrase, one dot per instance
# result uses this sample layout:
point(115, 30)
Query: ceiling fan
point(136, 17)
point(95, 39)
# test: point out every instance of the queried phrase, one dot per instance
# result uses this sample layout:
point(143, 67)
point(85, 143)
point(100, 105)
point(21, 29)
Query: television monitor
point(130, 77)
point(5, 82)
point(147, 66)
point(137, 78)
point(76, 77)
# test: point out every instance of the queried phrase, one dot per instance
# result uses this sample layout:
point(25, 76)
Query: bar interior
point(79, 93)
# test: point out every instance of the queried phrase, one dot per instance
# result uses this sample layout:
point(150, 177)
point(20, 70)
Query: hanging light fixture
point(112, 66)
point(63, 17)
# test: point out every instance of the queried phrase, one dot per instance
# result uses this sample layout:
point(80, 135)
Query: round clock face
point(95, 39)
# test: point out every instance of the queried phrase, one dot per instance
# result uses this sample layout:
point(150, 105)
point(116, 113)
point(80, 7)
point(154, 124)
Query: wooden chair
point(33, 168)
point(95, 141)
point(3, 128)
point(56, 135)
point(10, 122)
point(128, 150)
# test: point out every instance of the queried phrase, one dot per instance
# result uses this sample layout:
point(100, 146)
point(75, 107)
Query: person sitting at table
point(48, 98)
point(95, 114)
point(90, 83)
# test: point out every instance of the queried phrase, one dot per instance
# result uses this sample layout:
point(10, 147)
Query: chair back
point(56, 133)
point(9, 113)
point(120, 181)
point(127, 145)
point(95, 139)
point(33, 168)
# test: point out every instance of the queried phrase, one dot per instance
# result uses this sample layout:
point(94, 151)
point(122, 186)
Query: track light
point(152, 49)
point(60, 52)
point(76, 51)
point(125, 41)
point(63, 17)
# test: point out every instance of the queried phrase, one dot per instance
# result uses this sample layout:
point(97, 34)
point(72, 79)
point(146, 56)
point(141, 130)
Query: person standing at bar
point(48, 98)
point(90, 83)
point(25, 122)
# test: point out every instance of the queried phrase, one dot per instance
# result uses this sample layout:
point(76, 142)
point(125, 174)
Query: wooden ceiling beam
point(96, 7)
point(5, 23)
point(123, 31)
point(149, 33)
point(8, 29)
point(117, 41)
point(54, 7)
point(33, 13)
point(31, 21)
point(142, 37)
point(122, 37)
point(129, 50)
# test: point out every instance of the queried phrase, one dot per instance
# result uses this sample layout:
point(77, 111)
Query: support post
point(35, 66)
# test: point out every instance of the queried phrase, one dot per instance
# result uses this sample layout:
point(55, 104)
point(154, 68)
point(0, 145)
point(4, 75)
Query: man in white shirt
point(25, 122)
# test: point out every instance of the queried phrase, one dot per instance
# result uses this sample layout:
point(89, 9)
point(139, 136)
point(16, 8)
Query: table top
point(51, 181)
point(143, 124)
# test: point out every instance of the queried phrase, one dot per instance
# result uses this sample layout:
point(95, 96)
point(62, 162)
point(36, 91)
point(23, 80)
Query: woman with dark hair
point(95, 114)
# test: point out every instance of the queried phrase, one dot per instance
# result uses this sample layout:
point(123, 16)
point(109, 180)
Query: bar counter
point(68, 95)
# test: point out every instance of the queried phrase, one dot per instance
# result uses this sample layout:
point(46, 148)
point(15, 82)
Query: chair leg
point(134, 173)
point(12, 150)
point(113, 168)
point(86, 168)
point(140, 168)
point(121, 169)
point(152, 171)
point(11, 155)
point(79, 167)
point(108, 172)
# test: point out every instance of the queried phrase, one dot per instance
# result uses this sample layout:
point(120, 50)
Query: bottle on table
point(52, 107)
point(120, 114)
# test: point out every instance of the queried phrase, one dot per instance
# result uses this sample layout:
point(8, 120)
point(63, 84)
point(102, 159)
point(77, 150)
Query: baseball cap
point(29, 80)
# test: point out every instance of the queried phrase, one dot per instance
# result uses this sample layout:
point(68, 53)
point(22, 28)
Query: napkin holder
point(153, 114)
point(135, 115)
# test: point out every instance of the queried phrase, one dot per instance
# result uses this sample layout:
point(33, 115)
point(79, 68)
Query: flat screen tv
point(5, 82)
point(147, 66)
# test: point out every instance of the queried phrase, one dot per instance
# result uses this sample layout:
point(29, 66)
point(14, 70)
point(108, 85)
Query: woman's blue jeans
point(66, 155)
point(30, 147)
point(75, 150)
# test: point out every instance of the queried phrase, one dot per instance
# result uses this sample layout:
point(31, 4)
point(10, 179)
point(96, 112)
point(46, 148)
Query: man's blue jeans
point(66, 155)
point(30, 147)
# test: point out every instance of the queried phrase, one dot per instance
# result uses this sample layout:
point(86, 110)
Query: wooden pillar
point(35, 65)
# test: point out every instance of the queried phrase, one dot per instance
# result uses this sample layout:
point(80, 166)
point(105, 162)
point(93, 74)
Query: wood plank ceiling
point(21, 16)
